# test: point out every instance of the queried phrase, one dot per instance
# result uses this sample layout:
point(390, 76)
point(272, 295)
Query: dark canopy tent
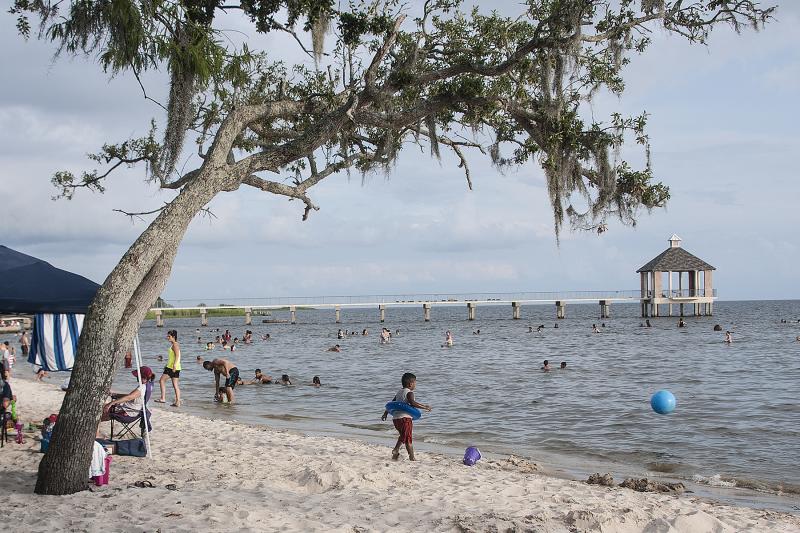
point(57, 298)
point(30, 285)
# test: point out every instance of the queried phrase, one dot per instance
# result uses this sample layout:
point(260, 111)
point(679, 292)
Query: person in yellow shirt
point(172, 370)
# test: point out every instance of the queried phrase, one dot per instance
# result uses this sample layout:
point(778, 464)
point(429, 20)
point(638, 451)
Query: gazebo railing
point(685, 293)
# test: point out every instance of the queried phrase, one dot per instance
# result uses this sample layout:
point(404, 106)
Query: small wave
point(370, 427)
point(435, 440)
point(749, 484)
point(714, 481)
point(287, 417)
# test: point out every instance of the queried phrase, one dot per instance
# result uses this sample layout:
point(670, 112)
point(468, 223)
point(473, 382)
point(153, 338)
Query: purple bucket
point(471, 456)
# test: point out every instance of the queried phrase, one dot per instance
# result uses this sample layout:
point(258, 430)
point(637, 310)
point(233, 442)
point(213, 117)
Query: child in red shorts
point(402, 421)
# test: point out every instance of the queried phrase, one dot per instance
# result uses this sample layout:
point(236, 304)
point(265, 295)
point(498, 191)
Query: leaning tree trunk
point(112, 322)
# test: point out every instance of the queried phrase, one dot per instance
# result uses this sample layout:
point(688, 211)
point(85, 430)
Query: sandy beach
point(226, 476)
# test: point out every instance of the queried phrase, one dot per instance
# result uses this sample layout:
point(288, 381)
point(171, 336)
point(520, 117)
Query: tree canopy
point(439, 75)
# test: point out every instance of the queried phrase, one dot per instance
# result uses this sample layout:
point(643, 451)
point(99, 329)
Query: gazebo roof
point(675, 259)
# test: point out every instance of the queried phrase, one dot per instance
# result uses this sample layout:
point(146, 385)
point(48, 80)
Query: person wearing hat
point(130, 404)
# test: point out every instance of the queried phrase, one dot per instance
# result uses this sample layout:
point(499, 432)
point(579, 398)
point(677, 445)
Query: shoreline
point(569, 467)
point(234, 476)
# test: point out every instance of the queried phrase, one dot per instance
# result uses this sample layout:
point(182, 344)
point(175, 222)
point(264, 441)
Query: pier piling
point(293, 314)
point(382, 311)
point(471, 307)
point(515, 310)
point(159, 319)
point(248, 316)
point(561, 308)
point(203, 317)
point(338, 310)
point(426, 312)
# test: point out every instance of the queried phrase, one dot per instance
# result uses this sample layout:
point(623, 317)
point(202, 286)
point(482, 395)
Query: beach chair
point(129, 423)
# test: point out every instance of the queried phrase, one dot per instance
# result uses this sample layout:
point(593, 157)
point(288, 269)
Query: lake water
point(737, 421)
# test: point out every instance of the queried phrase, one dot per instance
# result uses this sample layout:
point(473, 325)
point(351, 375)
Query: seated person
point(6, 396)
point(130, 404)
point(261, 378)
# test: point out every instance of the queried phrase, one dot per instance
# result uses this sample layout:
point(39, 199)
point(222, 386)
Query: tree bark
point(112, 321)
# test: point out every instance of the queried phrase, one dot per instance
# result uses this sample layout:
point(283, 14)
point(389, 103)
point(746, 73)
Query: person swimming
point(448, 339)
point(335, 348)
point(285, 380)
point(729, 337)
point(594, 329)
point(316, 382)
point(563, 365)
point(545, 366)
point(260, 378)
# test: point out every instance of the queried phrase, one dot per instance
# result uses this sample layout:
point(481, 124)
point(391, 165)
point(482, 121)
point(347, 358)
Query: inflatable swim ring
point(404, 407)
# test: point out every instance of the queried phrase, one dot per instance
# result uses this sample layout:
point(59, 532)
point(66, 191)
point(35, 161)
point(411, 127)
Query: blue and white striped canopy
point(55, 341)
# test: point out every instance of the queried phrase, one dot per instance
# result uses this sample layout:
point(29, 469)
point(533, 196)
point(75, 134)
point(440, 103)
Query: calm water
point(737, 419)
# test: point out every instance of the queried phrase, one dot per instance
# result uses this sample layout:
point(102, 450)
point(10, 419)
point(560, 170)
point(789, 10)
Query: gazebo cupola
point(677, 277)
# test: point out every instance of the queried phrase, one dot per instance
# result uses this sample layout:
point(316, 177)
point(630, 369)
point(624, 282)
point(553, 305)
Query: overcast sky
point(723, 125)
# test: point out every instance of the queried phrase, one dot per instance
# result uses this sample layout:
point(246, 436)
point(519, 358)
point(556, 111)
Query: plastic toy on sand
point(471, 456)
point(404, 407)
point(663, 402)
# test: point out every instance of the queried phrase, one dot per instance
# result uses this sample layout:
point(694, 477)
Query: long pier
point(427, 301)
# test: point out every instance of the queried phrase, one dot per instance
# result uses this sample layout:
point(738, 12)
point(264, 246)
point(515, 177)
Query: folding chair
point(129, 423)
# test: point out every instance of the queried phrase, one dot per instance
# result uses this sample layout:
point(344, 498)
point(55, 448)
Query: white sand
point(232, 477)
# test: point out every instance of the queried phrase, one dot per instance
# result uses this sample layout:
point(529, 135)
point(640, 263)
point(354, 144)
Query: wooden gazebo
point(676, 265)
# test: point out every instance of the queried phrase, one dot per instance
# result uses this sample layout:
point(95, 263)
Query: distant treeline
point(211, 312)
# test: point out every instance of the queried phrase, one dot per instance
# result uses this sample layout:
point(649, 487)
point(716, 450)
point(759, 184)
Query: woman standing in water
point(173, 369)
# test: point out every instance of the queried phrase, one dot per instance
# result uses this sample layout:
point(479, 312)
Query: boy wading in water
point(402, 420)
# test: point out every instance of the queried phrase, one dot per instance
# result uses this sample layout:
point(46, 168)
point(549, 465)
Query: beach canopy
point(29, 285)
point(58, 299)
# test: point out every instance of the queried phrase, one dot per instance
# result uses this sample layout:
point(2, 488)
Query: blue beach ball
point(663, 402)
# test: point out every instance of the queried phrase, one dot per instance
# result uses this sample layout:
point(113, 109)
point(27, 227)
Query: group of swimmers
point(347, 333)
point(546, 366)
point(385, 337)
point(223, 368)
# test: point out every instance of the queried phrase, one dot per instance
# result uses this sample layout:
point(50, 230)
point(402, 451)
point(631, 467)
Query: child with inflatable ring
point(402, 417)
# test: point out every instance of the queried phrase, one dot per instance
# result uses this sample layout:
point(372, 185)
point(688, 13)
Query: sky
point(723, 127)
